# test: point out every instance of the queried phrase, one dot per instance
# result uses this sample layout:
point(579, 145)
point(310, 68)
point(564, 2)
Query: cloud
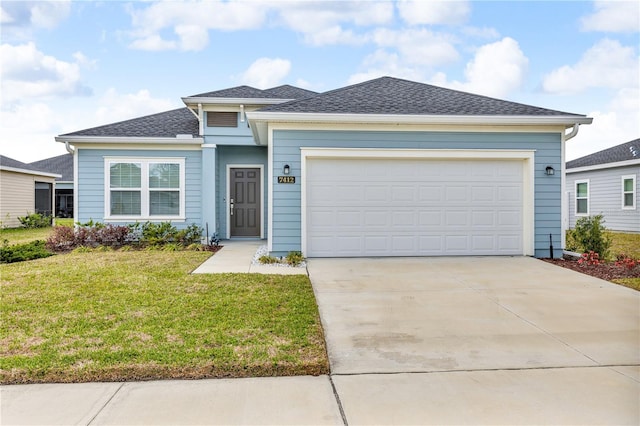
point(38, 14)
point(606, 64)
point(266, 72)
point(114, 106)
point(616, 123)
point(495, 70)
point(29, 73)
point(190, 22)
point(420, 12)
point(321, 23)
point(383, 63)
point(419, 46)
point(613, 16)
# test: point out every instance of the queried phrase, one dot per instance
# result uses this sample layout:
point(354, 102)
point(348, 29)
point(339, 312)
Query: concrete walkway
point(411, 341)
point(237, 256)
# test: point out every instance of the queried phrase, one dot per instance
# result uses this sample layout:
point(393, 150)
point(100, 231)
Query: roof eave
point(130, 139)
point(29, 172)
point(195, 100)
point(602, 166)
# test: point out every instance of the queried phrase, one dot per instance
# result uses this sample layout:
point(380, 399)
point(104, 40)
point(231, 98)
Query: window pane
point(125, 175)
point(164, 176)
point(582, 206)
point(125, 202)
point(581, 189)
point(164, 203)
point(628, 200)
point(628, 185)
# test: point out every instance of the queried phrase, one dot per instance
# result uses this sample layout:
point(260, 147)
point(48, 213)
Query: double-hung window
point(629, 192)
point(144, 188)
point(582, 197)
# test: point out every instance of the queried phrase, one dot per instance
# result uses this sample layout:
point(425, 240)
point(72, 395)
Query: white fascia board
point(129, 140)
point(604, 166)
point(232, 101)
point(29, 172)
point(509, 120)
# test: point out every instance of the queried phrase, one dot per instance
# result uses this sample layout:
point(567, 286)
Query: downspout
point(68, 148)
point(573, 132)
point(564, 213)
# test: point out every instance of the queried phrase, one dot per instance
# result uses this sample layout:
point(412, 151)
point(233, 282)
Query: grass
point(23, 235)
point(115, 316)
point(628, 244)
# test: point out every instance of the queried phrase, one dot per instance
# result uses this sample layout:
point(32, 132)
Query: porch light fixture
point(286, 169)
point(550, 171)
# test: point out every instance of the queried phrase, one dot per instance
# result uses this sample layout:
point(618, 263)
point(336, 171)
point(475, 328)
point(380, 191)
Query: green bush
point(590, 235)
point(21, 252)
point(35, 220)
point(163, 233)
point(294, 258)
point(266, 260)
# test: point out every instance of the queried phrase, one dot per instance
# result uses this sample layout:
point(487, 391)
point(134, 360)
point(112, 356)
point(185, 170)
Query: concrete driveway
point(478, 340)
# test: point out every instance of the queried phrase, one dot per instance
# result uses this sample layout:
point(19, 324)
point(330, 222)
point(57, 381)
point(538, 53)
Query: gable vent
point(222, 119)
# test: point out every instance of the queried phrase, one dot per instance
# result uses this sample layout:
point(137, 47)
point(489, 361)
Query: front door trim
point(228, 195)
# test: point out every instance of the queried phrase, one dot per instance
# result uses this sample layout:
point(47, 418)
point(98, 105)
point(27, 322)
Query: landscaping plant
point(35, 220)
point(21, 252)
point(590, 236)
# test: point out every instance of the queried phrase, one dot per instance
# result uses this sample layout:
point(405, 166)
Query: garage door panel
point(372, 207)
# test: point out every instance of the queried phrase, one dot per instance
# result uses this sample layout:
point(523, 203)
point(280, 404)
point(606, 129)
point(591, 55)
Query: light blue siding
point(286, 150)
point(240, 135)
point(238, 155)
point(91, 189)
point(605, 197)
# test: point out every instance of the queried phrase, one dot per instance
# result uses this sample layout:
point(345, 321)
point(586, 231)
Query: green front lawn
point(133, 315)
point(623, 243)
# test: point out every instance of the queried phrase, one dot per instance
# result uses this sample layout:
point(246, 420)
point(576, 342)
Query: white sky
point(68, 66)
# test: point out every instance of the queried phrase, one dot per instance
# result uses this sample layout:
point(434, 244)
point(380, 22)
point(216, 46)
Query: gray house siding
point(286, 144)
point(91, 185)
point(605, 197)
point(238, 155)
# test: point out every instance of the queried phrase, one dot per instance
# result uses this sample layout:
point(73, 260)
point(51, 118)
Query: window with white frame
point(582, 197)
point(144, 188)
point(629, 192)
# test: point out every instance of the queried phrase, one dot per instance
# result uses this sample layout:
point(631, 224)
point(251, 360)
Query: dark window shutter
point(222, 119)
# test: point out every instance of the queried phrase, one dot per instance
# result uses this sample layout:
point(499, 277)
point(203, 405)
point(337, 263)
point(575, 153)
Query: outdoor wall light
point(550, 171)
point(286, 169)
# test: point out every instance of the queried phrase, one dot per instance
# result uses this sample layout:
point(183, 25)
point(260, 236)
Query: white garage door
point(413, 207)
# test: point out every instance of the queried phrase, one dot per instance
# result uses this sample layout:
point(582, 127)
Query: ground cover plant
point(118, 315)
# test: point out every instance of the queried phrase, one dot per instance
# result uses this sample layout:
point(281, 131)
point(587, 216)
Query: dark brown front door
point(244, 202)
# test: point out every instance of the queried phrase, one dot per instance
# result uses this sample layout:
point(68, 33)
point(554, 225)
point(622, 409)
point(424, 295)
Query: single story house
point(607, 183)
point(387, 167)
point(24, 189)
point(63, 166)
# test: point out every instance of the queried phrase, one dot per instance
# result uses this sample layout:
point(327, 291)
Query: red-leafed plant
point(626, 261)
point(589, 258)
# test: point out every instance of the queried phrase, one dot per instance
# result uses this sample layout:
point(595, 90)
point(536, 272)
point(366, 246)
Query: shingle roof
point(281, 92)
point(162, 125)
point(15, 164)
point(60, 165)
point(389, 95)
point(623, 152)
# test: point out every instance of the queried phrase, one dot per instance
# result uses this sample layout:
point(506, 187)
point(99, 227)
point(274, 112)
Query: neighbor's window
point(629, 192)
point(582, 197)
point(144, 188)
point(222, 119)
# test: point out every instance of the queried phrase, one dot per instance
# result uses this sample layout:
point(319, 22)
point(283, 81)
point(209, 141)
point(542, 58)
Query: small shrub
point(627, 262)
point(294, 258)
point(61, 239)
point(591, 258)
point(161, 233)
point(590, 235)
point(93, 235)
point(35, 220)
point(267, 260)
point(21, 252)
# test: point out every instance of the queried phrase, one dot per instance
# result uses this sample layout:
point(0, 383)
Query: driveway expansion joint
point(337, 397)
point(107, 402)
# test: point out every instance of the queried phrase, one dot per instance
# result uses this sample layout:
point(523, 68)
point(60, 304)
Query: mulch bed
point(606, 271)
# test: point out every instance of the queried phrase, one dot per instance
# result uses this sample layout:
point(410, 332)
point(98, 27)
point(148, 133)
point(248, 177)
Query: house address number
point(286, 179)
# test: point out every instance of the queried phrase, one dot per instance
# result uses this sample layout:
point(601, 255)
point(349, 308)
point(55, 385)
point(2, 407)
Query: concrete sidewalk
point(237, 256)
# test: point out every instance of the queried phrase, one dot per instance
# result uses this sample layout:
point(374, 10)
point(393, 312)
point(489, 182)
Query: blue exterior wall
point(90, 182)
point(240, 135)
point(287, 198)
point(236, 155)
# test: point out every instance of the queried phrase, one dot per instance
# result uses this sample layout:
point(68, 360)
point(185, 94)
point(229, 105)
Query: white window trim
point(575, 187)
point(144, 196)
point(633, 191)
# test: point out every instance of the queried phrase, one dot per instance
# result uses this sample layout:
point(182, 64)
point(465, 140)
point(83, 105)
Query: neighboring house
point(63, 166)
point(607, 183)
point(24, 189)
point(387, 167)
